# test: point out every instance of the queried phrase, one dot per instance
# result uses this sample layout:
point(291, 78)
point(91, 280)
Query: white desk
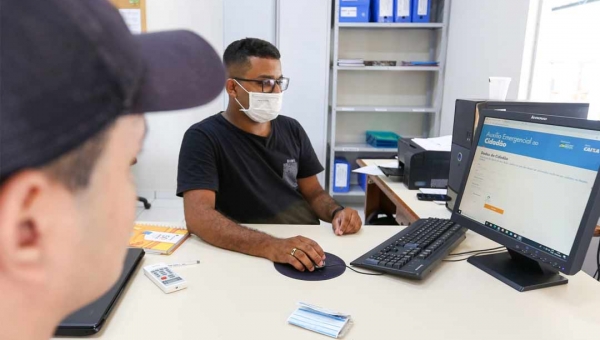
point(234, 296)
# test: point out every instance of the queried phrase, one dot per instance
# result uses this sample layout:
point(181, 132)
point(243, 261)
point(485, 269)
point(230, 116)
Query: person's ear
point(230, 88)
point(21, 226)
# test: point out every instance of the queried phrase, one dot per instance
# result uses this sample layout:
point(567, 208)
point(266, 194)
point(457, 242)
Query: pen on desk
point(180, 264)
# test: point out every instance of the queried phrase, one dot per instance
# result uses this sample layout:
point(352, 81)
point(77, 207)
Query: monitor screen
point(532, 182)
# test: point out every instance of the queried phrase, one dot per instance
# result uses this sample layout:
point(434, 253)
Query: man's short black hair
point(238, 52)
point(74, 169)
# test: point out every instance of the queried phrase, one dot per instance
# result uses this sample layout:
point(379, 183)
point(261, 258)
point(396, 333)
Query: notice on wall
point(133, 19)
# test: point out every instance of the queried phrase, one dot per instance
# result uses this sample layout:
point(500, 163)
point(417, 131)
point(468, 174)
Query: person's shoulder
point(209, 128)
point(206, 125)
point(288, 122)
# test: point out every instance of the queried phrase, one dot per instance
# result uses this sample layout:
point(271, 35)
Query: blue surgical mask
point(321, 320)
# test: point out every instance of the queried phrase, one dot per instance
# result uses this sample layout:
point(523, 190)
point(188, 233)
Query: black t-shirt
point(255, 178)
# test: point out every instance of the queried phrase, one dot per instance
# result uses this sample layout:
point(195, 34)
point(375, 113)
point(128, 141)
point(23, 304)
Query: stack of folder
point(351, 62)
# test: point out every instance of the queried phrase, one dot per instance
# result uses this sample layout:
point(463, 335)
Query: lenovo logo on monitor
point(538, 118)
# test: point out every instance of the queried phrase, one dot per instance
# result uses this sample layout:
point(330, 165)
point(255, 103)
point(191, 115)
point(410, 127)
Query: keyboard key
point(371, 262)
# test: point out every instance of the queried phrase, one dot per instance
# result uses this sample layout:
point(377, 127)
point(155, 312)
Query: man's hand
point(307, 251)
point(346, 221)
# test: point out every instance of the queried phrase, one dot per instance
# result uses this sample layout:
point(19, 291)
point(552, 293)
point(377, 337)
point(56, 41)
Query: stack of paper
point(374, 170)
point(158, 237)
point(321, 320)
point(435, 144)
point(351, 62)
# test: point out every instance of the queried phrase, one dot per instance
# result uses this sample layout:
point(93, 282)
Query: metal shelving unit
point(389, 68)
point(415, 109)
point(429, 112)
point(358, 147)
point(409, 25)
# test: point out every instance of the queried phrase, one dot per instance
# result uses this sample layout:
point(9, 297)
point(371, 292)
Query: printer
point(422, 168)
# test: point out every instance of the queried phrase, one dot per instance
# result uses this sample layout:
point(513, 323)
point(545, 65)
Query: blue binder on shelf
point(354, 10)
point(402, 10)
point(341, 175)
point(421, 10)
point(382, 10)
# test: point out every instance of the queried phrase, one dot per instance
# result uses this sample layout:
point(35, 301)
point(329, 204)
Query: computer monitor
point(466, 118)
point(532, 185)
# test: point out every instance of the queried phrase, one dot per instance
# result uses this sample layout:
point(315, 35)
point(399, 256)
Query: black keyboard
point(416, 250)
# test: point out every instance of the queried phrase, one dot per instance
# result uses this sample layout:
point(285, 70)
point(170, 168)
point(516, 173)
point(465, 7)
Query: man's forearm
point(216, 229)
point(323, 205)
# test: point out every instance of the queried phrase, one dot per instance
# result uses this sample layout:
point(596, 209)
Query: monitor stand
point(518, 271)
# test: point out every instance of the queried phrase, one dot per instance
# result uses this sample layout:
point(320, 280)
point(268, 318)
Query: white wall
point(249, 19)
point(304, 28)
point(157, 164)
point(486, 38)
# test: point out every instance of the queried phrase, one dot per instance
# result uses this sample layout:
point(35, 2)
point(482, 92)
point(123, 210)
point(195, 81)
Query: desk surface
point(234, 296)
point(422, 209)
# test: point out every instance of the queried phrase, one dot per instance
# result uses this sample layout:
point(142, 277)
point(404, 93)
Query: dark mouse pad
point(334, 267)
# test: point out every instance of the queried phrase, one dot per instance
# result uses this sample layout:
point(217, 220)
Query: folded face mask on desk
point(263, 107)
point(321, 320)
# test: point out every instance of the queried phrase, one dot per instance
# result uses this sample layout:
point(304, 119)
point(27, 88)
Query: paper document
point(435, 144)
point(369, 170)
point(434, 191)
point(133, 19)
point(351, 61)
point(163, 237)
point(374, 170)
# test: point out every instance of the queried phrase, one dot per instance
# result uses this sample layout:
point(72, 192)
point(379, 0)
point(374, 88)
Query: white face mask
point(264, 107)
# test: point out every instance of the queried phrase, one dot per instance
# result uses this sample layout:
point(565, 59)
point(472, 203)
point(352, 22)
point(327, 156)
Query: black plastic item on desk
point(334, 267)
point(416, 250)
point(393, 172)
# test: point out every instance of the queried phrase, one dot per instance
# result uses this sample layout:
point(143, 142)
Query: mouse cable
point(363, 273)
point(352, 269)
point(477, 254)
point(477, 251)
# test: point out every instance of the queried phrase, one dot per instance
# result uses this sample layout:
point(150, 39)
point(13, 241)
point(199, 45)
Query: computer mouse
point(319, 267)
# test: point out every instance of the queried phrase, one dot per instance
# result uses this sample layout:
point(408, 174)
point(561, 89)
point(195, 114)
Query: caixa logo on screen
point(588, 148)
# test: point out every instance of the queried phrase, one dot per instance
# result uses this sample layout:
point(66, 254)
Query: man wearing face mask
point(251, 165)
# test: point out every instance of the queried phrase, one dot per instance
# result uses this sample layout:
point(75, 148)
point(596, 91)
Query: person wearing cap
point(249, 164)
point(74, 83)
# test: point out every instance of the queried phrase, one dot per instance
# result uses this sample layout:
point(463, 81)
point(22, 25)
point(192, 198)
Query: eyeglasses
point(268, 85)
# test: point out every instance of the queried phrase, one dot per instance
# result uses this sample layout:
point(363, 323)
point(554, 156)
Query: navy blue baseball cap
point(68, 68)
